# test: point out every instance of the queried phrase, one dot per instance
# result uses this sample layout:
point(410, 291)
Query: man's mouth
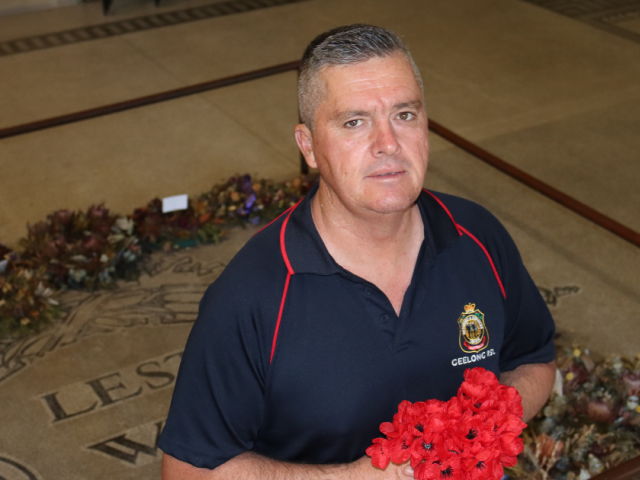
point(388, 174)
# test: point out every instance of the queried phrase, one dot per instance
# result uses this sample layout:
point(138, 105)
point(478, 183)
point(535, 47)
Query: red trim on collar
point(444, 207)
point(461, 229)
point(290, 272)
point(493, 267)
point(276, 219)
point(275, 335)
point(283, 229)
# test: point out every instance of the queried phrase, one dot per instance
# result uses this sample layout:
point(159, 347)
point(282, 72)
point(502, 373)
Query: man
point(368, 292)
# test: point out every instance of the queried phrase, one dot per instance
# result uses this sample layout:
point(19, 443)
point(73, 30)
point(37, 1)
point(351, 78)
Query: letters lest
point(112, 388)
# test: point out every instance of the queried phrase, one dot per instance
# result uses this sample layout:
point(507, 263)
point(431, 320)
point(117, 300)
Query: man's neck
point(363, 229)
point(379, 247)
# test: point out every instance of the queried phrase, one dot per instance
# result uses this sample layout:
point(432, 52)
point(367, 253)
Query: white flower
point(617, 364)
point(43, 292)
point(77, 275)
point(125, 225)
point(115, 238)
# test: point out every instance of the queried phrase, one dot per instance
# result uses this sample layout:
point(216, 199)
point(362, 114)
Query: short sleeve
point(217, 404)
point(530, 329)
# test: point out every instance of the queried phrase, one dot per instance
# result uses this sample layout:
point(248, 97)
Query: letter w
point(130, 448)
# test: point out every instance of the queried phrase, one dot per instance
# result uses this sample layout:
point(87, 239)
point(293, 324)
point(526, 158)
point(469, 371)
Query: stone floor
point(125, 344)
point(546, 88)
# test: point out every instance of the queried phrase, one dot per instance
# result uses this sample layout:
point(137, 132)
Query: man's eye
point(406, 116)
point(353, 123)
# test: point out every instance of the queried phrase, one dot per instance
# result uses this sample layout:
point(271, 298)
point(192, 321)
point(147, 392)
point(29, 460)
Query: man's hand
point(367, 471)
point(534, 383)
point(250, 466)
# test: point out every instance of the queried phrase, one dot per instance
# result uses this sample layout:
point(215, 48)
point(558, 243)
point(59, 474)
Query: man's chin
point(391, 204)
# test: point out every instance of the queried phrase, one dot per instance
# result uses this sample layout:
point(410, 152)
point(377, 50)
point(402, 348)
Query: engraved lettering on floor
point(135, 447)
point(111, 388)
point(14, 469)
point(552, 295)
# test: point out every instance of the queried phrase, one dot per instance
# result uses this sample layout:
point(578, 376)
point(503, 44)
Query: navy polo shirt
point(297, 359)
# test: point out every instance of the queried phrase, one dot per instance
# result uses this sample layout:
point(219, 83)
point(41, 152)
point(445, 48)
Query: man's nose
point(385, 141)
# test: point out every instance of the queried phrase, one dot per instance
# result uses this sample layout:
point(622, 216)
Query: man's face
point(370, 138)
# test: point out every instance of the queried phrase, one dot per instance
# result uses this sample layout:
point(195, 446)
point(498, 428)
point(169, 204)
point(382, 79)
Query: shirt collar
point(307, 252)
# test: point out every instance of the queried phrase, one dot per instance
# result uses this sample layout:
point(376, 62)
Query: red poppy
point(454, 408)
point(502, 423)
point(511, 400)
point(387, 428)
point(405, 419)
point(478, 383)
point(508, 461)
point(438, 422)
point(511, 444)
point(398, 448)
point(376, 452)
point(424, 448)
point(434, 406)
point(472, 429)
point(484, 466)
point(447, 468)
point(480, 376)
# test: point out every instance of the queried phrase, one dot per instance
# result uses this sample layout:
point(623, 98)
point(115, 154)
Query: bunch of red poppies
point(470, 437)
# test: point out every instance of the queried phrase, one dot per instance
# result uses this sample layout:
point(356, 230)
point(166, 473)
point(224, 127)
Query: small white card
point(177, 202)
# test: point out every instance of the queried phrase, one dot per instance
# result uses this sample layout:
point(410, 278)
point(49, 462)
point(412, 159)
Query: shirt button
point(367, 291)
point(384, 317)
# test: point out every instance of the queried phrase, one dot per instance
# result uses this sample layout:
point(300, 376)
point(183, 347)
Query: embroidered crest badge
point(474, 336)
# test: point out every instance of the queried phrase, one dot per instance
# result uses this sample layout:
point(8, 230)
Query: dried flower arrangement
point(590, 424)
point(94, 248)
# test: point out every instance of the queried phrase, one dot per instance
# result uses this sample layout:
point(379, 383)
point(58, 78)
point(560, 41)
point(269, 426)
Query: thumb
point(408, 471)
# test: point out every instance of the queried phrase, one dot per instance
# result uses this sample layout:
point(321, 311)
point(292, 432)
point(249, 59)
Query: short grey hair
point(343, 46)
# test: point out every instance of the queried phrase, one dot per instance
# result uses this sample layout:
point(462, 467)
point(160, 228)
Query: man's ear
point(304, 139)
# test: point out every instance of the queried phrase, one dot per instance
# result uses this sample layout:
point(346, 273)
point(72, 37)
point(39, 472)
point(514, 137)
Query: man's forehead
point(370, 89)
point(391, 75)
point(397, 64)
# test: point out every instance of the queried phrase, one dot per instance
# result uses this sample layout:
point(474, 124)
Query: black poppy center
point(446, 473)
